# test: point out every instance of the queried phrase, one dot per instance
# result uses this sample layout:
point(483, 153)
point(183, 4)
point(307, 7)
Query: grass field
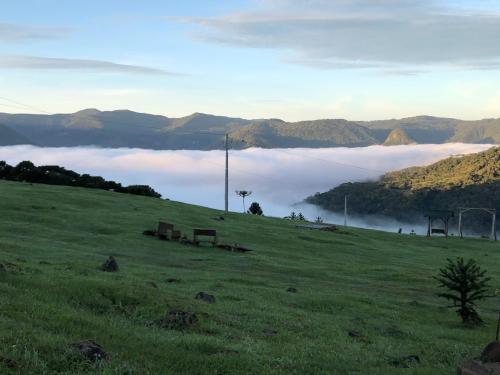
point(54, 239)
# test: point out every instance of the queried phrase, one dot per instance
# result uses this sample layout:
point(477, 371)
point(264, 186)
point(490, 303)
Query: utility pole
point(226, 200)
point(345, 210)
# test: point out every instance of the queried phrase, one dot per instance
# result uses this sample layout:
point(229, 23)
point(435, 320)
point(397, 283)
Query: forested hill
point(206, 132)
point(467, 181)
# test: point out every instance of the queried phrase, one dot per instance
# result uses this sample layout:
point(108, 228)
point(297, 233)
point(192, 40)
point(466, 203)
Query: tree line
point(26, 171)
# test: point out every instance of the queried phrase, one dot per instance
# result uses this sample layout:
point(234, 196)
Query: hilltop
point(201, 131)
point(466, 181)
point(53, 240)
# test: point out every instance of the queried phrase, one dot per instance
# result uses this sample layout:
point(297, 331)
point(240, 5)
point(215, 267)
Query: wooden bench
point(164, 230)
point(212, 233)
point(439, 231)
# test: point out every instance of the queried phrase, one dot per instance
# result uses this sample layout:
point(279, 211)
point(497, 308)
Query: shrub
point(255, 209)
point(466, 284)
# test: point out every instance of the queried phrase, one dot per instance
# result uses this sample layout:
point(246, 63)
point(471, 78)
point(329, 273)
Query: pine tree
point(466, 284)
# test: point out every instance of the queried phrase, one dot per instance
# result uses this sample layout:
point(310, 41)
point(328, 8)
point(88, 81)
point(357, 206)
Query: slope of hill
point(53, 240)
point(468, 181)
point(485, 131)
point(206, 132)
point(321, 133)
point(422, 129)
point(11, 137)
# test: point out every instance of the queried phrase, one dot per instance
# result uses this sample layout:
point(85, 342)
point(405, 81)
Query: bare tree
point(243, 194)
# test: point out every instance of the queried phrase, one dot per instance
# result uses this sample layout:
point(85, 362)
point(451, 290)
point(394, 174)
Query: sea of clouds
point(278, 178)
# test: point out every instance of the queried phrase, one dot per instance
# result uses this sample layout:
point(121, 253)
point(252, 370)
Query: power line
point(25, 105)
point(331, 161)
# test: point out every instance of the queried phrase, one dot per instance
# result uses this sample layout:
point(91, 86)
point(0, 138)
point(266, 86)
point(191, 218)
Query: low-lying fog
point(278, 178)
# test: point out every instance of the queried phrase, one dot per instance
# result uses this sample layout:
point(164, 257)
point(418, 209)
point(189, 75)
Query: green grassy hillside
point(54, 239)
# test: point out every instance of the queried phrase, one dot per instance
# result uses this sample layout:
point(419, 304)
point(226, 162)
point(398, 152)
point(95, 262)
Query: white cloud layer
point(51, 63)
point(390, 35)
point(278, 178)
point(19, 33)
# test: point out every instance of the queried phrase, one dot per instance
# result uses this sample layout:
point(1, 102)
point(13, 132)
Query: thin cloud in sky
point(363, 33)
point(20, 33)
point(51, 63)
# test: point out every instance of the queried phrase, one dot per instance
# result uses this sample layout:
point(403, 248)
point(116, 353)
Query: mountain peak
point(398, 137)
point(88, 112)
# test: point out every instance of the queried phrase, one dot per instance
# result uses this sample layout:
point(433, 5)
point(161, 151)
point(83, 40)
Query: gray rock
point(205, 297)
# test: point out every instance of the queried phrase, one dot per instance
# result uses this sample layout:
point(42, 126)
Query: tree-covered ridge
point(467, 181)
point(462, 171)
point(201, 131)
point(26, 171)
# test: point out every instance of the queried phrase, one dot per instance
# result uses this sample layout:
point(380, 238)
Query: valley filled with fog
point(278, 178)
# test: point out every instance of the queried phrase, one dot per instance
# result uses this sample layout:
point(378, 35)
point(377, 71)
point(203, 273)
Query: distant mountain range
point(468, 181)
point(206, 132)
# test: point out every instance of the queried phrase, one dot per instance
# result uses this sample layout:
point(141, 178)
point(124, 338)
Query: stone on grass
point(8, 362)
point(270, 332)
point(491, 353)
point(479, 368)
point(205, 297)
point(173, 280)
point(110, 265)
point(405, 362)
point(292, 290)
point(2, 268)
point(355, 334)
point(90, 350)
point(178, 319)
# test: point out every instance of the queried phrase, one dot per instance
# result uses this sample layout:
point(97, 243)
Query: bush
point(255, 209)
point(466, 284)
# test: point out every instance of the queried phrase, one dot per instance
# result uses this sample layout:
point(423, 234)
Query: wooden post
point(429, 227)
point(226, 195)
point(498, 326)
point(493, 236)
point(460, 223)
point(345, 211)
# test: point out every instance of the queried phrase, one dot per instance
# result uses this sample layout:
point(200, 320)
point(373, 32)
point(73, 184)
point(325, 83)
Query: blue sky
point(291, 59)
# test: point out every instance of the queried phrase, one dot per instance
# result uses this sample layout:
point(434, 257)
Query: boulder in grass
point(8, 362)
point(178, 319)
point(479, 368)
point(270, 332)
point(405, 362)
point(491, 353)
point(205, 297)
point(355, 334)
point(292, 290)
point(90, 350)
point(110, 265)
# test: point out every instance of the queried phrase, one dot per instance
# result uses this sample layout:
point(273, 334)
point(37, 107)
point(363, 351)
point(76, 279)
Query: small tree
point(243, 194)
point(301, 217)
point(255, 209)
point(318, 220)
point(292, 216)
point(466, 284)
